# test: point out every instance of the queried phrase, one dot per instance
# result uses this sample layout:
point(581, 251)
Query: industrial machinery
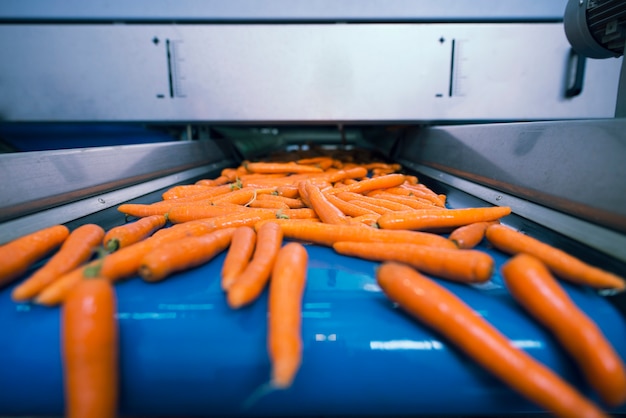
point(516, 103)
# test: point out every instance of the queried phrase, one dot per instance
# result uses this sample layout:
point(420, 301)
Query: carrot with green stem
point(286, 290)
point(425, 219)
point(465, 266)
point(238, 255)
point(327, 234)
point(469, 236)
point(121, 264)
point(183, 254)
point(325, 210)
point(130, 233)
point(532, 285)
point(90, 359)
point(77, 248)
point(20, 254)
point(290, 202)
point(445, 313)
point(247, 286)
point(562, 264)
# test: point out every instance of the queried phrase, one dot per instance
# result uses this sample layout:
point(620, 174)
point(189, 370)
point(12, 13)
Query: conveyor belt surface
point(184, 352)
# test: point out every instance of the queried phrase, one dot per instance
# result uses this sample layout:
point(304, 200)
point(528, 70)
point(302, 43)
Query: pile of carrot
point(369, 210)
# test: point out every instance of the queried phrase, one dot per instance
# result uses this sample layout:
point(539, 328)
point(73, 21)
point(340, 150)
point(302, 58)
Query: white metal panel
point(295, 73)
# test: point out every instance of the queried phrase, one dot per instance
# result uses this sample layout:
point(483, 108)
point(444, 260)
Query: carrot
point(289, 191)
point(290, 202)
point(532, 285)
point(424, 192)
point(267, 204)
point(275, 167)
point(382, 182)
point(184, 190)
point(348, 208)
point(424, 219)
point(466, 266)
point(20, 254)
point(185, 213)
point(121, 264)
point(241, 196)
point(77, 248)
point(350, 173)
point(90, 350)
point(183, 254)
point(251, 282)
point(369, 219)
point(325, 210)
point(469, 236)
point(387, 204)
point(445, 313)
point(238, 256)
point(328, 234)
point(405, 200)
point(218, 181)
point(286, 291)
point(140, 210)
point(130, 233)
point(559, 262)
point(369, 206)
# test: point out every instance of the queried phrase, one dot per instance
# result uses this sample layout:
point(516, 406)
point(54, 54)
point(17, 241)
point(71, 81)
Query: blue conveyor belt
point(185, 353)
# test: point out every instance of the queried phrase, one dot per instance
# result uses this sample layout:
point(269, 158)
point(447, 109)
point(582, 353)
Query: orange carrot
point(466, 266)
point(290, 202)
point(424, 219)
point(350, 173)
point(183, 254)
point(251, 282)
point(77, 248)
point(89, 339)
point(405, 200)
point(325, 210)
point(130, 233)
point(275, 167)
point(369, 219)
point(448, 315)
point(289, 191)
point(121, 264)
point(469, 236)
point(286, 290)
point(328, 234)
point(218, 181)
point(140, 210)
point(559, 262)
point(348, 208)
point(369, 206)
point(184, 190)
point(267, 204)
point(242, 196)
point(20, 254)
point(382, 182)
point(185, 213)
point(387, 204)
point(238, 256)
point(532, 285)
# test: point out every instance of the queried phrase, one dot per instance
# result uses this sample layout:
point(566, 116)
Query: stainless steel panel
point(32, 181)
point(296, 73)
point(576, 167)
point(181, 10)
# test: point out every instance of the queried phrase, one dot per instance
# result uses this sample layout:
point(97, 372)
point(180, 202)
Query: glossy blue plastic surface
point(185, 353)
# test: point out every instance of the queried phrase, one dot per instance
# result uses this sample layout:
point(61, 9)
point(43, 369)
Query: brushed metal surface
point(34, 181)
point(311, 73)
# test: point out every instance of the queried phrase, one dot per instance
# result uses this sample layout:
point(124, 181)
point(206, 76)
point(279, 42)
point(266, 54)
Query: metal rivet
point(498, 197)
point(101, 200)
